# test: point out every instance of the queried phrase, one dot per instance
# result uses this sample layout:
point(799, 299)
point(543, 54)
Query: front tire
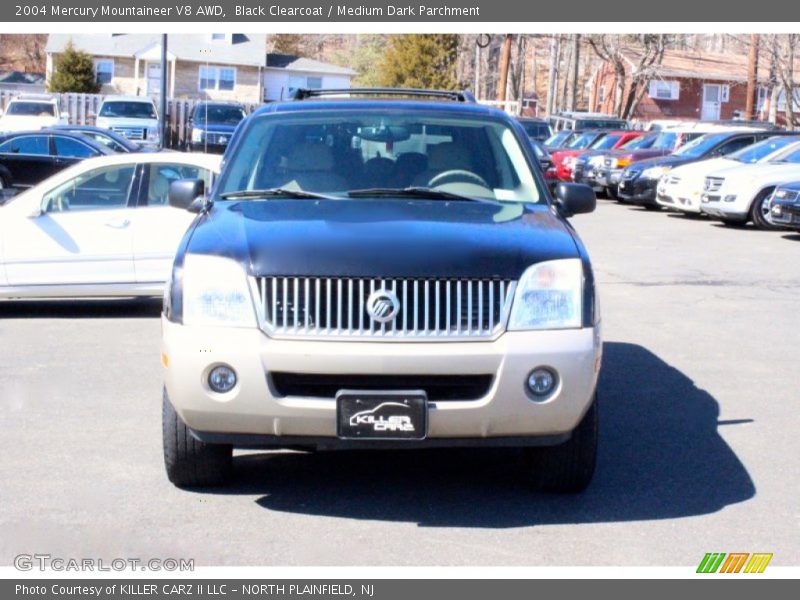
point(568, 467)
point(190, 462)
point(759, 210)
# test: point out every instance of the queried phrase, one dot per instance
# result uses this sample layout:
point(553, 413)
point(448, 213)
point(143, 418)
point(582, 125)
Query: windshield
point(606, 142)
point(128, 110)
point(581, 141)
point(558, 138)
point(761, 150)
point(219, 114)
point(640, 143)
point(31, 109)
point(535, 129)
point(701, 146)
point(335, 152)
point(790, 157)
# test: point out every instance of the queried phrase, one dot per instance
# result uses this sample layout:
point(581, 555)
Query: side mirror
point(184, 192)
point(575, 198)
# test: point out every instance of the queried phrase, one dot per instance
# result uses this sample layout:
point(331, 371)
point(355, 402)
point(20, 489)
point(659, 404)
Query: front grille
point(427, 308)
point(713, 184)
point(218, 138)
point(437, 387)
point(631, 174)
point(132, 133)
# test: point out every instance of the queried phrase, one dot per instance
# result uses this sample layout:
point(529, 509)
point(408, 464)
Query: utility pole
point(551, 81)
point(752, 78)
point(505, 60)
point(163, 99)
point(572, 98)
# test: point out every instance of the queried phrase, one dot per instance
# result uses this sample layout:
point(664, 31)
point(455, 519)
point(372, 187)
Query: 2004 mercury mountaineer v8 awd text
point(381, 269)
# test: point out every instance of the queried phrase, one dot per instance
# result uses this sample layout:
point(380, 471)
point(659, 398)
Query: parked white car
point(102, 227)
point(134, 117)
point(737, 196)
point(30, 112)
point(682, 187)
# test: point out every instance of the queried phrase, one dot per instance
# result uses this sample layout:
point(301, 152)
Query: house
point(286, 73)
point(214, 66)
point(687, 86)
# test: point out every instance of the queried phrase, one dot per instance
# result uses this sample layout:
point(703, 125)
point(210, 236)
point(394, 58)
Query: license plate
point(367, 415)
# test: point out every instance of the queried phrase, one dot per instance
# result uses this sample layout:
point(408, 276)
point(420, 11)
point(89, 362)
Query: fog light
point(541, 382)
point(222, 379)
point(730, 198)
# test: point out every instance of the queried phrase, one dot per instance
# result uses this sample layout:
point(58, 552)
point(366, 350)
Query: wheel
point(567, 467)
point(190, 462)
point(759, 212)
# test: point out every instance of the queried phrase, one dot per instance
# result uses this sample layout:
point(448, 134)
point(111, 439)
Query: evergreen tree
point(420, 61)
point(73, 71)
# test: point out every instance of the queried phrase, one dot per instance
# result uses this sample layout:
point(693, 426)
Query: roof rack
point(456, 96)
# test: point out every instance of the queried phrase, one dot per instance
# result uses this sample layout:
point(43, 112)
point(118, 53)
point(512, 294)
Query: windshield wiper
point(416, 192)
point(274, 193)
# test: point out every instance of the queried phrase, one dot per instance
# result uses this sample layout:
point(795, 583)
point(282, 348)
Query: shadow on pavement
point(121, 308)
point(660, 457)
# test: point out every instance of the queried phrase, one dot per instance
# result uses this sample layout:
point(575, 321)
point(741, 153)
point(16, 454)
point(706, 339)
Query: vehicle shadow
point(117, 308)
point(660, 457)
point(795, 237)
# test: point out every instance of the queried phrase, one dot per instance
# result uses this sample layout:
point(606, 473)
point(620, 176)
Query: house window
point(314, 83)
point(725, 93)
point(216, 78)
point(601, 94)
point(104, 71)
point(664, 90)
point(220, 37)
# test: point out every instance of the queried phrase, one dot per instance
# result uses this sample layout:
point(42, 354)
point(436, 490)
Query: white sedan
point(102, 227)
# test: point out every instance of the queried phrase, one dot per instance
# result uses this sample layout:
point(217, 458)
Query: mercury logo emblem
point(383, 305)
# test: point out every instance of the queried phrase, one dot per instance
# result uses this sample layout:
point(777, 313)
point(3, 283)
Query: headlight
point(197, 135)
point(549, 295)
point(621, 163)
point(216, 292)
point(152, 133)
point(654, 172)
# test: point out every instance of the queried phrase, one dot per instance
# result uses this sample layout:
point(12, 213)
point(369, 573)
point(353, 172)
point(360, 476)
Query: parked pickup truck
point(382, 271)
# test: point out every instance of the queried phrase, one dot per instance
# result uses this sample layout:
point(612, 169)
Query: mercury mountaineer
point(381, 268)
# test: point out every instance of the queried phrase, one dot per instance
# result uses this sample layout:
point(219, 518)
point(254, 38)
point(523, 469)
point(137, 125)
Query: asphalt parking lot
point(699, 434)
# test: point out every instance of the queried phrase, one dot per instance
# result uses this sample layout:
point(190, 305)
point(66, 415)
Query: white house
point(285, 73)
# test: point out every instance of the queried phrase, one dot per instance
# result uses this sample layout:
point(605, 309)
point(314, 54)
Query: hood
point(704, 167)
point(665, 161)
point(214, 127)
point(109, 122)
point(768, 172)
point(25, 123)
point(639, 155)
point(383, 238)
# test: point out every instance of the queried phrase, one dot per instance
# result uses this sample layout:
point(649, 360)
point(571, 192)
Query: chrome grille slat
point(325, 307)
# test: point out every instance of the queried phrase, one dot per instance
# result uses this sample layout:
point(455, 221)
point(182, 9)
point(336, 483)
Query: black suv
point(381, 270)
point(638, 183)
point(211, 126)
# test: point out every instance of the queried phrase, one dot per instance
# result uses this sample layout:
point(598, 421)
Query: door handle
point(118, 223)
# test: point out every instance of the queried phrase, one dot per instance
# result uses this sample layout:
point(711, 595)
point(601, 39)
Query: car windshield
point(640, 143)
point(701, 146)
point(31, 109)
point(220, 114)
point(601, 124)
point(581, 141)
point(606, 142)
point(790, 157)
point(761, 150)
point(337, 152)
point(128, 109)
point(558, 138)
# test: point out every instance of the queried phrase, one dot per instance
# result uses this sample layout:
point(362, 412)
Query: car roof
point(359, 103)
point(35, 98)
point(121, 98)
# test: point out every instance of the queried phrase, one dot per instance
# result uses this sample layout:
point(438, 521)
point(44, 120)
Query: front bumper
point(638, 191)
point(607, 178)
point(254, 409)
point(715, 206)
point(678, 197)
point(788, 214)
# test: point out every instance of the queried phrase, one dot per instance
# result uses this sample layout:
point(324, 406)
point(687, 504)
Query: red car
point(564, 159)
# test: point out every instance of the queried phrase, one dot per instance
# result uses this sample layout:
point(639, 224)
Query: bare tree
point(637, 58)
point(783, 49)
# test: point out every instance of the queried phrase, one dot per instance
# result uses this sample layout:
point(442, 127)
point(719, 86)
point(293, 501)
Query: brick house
point(687, 86)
